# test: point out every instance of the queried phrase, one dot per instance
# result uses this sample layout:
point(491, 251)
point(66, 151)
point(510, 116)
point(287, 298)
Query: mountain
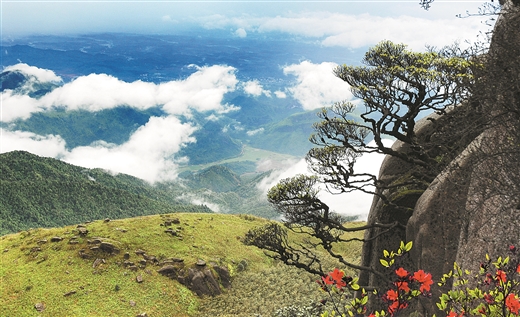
point(217, 178)
point(45, 192)
point(82, 128)
point(99, 269)
point(212, 145)
point(22, 83)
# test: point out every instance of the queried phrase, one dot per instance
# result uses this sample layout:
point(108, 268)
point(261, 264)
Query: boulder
point(56, 239)
point(168, 270)
point(108, 247)
point(203, 282)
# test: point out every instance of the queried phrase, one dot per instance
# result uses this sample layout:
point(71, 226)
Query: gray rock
point(39, 307)
point(56, 239)
point(168, 270)
point(108, 247)
point(69, 293)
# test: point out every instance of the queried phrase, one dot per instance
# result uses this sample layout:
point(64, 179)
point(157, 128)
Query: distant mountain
point(212, 145)
point(217, 178)
point(81, 128)
point(22, 83)
point(45, 192)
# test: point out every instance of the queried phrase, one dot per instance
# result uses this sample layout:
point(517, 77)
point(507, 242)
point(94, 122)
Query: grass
point(28, 277)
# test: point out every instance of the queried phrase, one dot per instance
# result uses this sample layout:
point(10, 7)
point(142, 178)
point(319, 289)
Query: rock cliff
point(471, 206)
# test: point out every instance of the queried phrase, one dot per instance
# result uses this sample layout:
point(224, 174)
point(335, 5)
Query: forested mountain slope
point(45, 192)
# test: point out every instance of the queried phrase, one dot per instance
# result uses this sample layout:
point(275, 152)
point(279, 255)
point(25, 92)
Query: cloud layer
point(150, 151)
point(355, 31)
point(316, 85)
point(201, 91)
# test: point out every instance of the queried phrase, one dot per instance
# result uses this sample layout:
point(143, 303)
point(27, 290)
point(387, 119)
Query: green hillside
point(45, 192)
point(81, 127)
point(75, 277)
point(212, 145)
point(289, 136)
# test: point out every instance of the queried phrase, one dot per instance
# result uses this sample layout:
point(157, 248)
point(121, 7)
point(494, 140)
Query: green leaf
point(408, 246)
point(384, 262)
point(386, 253)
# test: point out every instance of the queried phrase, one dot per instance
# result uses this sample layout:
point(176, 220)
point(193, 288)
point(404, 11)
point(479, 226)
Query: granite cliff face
point(472, 205)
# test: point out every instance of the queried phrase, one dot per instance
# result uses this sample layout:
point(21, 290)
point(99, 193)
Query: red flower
point(518, 269)
point(327, 280)
point(402, 273)
point(391, 295)
point(395, 307)
point(372, 315)
point(454, 314)
point(512, 303)
point(501, 275)
point(335, 278)
point(425, 279)
point(336, 275)
point(402, 286)
point(482, 310)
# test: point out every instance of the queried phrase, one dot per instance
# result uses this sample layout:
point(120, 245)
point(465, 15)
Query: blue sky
point(331, 23)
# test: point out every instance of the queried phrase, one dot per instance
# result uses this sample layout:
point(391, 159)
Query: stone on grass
point(39, 307)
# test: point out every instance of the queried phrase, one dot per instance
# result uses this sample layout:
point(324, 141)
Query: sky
point(333, 23)
point(147, 154)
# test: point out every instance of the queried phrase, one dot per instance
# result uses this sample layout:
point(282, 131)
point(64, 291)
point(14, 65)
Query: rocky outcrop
point(471, 207)
point(199, 278)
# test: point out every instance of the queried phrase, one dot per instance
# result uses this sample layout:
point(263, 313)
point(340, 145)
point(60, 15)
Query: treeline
point(44, 192)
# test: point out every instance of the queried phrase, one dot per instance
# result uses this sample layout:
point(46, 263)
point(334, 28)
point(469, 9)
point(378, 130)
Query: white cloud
point(351, 204)
point(42, 75)
point(241, 33)
point(17, 106)
point(356, 31)
point(280, 94)
point(316, 85)
point(201, 91)
point(96, 92)
point(254, 132)
point(254, 88)
point(367, 30)
point(147, 154)
point(49, 145)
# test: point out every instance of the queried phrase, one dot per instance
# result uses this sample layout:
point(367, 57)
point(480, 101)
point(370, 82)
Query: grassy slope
point(29, 277)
